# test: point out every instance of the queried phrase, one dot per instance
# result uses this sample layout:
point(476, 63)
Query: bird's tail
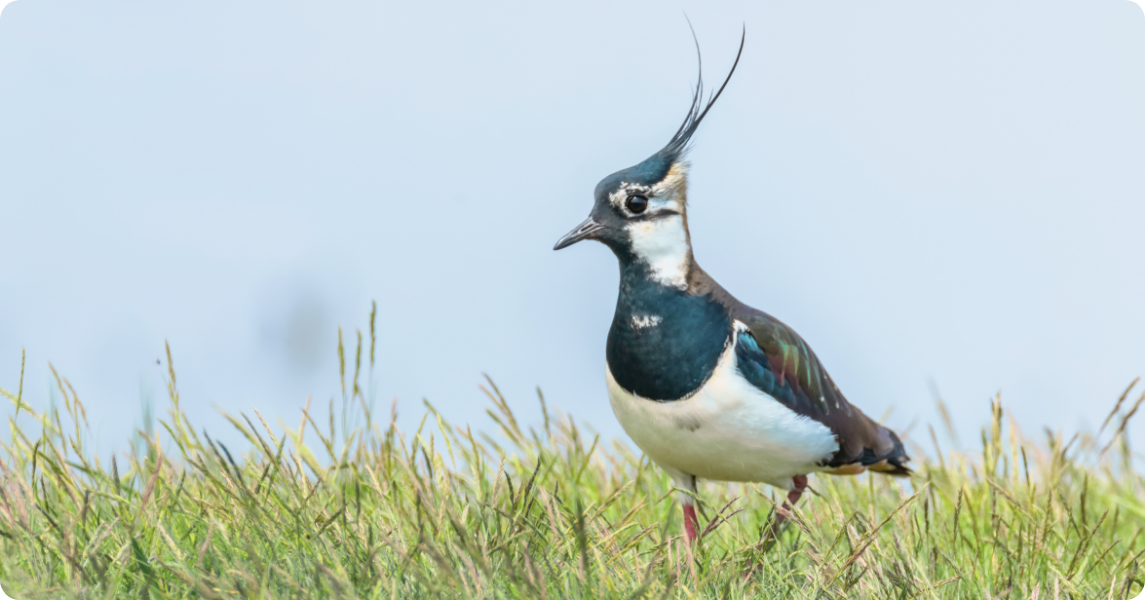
point(894, 463)
point(887, 457)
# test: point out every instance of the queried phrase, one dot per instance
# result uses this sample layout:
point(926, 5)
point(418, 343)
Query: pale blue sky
point(948, 192)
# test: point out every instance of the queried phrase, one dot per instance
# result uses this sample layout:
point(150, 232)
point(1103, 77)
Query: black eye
point(637, 204)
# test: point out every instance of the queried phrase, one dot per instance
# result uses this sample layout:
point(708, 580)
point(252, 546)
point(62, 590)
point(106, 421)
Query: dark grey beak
point(584, 231)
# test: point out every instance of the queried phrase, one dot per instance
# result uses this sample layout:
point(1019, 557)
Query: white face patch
point(662, 244)
point(670, 193)
point(645, 321)
point(659, 235)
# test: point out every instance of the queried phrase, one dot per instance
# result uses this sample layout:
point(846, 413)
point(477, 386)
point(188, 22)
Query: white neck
point(663, 245)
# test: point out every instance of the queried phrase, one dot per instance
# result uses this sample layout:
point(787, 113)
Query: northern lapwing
point(707, 386)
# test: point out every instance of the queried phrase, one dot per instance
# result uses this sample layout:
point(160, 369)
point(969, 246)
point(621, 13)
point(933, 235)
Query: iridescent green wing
point(774, 358)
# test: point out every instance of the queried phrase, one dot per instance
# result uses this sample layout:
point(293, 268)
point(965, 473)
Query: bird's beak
point(584, 231)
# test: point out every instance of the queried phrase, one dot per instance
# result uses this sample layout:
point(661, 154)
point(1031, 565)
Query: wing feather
point(780, 363)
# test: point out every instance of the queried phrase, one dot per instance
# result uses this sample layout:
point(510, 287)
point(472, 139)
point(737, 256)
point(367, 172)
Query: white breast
point(728, 430)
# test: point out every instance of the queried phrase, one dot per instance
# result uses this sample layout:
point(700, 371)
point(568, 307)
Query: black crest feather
point(678, 145)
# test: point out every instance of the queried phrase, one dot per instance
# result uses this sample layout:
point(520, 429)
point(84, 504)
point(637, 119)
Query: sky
point(937, 196)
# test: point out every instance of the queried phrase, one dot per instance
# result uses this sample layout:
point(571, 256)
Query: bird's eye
point(637, 204)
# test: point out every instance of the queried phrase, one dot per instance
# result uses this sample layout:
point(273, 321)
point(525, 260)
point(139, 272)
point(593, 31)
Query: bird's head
point(640, 212)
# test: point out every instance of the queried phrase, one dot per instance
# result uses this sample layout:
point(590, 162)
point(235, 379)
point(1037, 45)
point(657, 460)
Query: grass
point(371, 511)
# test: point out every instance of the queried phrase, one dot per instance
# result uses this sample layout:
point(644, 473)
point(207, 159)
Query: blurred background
point(940, 197)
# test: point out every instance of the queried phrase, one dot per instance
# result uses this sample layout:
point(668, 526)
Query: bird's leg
point(686, 484)
point(690, 522)
point(781, 514)
point(793, 496)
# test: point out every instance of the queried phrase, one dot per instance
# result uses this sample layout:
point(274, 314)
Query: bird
point(707, 386)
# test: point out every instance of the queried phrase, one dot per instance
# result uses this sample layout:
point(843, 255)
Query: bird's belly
point(728, 430)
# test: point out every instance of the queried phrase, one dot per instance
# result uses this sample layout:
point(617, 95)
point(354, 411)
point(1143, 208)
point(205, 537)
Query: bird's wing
point(776, 360)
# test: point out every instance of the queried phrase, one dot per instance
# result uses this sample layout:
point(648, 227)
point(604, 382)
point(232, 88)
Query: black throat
point(664, 342)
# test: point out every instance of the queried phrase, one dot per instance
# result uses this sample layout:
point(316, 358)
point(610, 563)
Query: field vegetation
point(347, 505)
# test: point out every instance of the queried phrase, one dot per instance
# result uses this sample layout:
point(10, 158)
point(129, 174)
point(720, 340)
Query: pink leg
point(793, 496)
point(690, 522)
point(781, 512)
point(800, 485)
